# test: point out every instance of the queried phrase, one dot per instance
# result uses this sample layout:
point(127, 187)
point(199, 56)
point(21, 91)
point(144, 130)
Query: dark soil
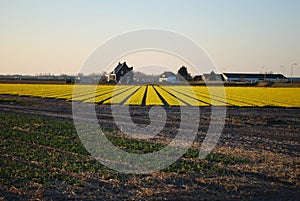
point(264, 141)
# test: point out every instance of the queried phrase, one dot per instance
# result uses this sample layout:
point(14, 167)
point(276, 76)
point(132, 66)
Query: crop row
point(161, 95)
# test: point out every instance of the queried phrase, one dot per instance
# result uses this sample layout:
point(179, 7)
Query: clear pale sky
point(55, 36)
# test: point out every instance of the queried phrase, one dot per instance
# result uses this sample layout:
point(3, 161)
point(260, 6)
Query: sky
point(57, 36)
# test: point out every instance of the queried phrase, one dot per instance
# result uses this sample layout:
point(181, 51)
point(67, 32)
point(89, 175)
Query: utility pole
point(263, 67)
point(292, 71)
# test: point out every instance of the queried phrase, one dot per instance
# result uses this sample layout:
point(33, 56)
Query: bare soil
point(266, 140)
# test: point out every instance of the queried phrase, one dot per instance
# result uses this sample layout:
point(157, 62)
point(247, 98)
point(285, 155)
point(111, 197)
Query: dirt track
point(268, 138)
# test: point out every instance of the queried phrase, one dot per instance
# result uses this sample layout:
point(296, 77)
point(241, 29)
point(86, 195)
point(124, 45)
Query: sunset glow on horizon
point(240, 36)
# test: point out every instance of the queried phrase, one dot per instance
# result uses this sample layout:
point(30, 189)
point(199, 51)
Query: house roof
point(213, 76)
point(254, 76)
point(167, 74)
point(120, 66)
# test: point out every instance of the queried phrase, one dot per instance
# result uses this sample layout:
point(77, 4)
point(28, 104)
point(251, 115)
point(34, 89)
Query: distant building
point(122, 73)
point(167, 76)
point(213, 77)
point(28, 79)
point(253, 77)
point(294, 79)
point(112, 77)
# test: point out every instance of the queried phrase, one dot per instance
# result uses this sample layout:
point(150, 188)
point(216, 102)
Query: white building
point(167, 76)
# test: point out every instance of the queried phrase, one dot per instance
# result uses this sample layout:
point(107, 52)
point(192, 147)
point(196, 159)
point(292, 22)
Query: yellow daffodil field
point(161, 95)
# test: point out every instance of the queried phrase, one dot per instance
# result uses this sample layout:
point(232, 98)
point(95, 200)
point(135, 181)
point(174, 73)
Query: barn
point(122, 73)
